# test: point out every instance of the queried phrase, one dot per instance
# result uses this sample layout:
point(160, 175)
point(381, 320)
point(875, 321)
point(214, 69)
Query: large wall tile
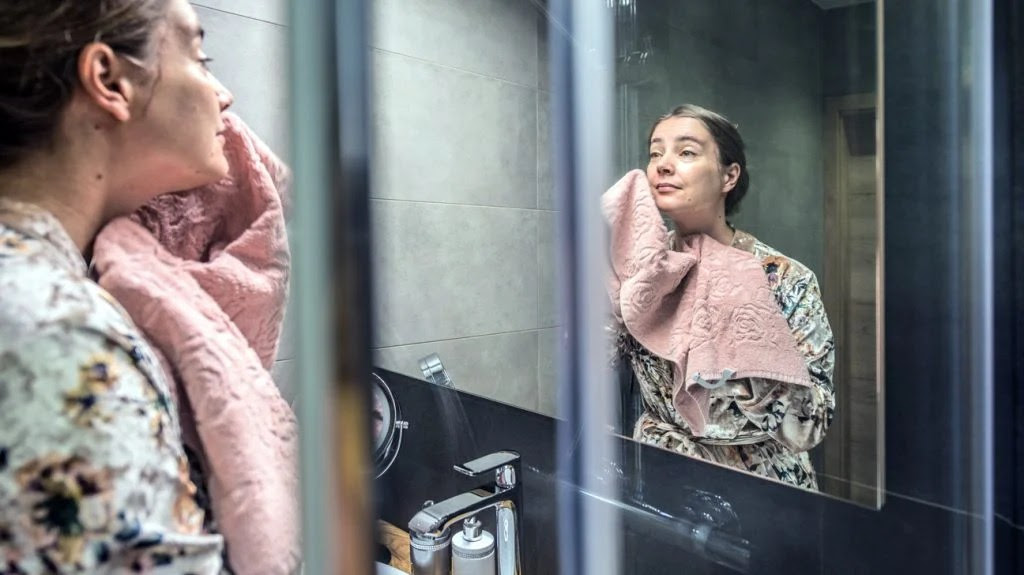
point(286, 347)
point(788, 33)
point(543, 52)
point(274, 11)
point(447, 271)
point(547, 284)
point(851, 54)
point(283, 373)
point(547, 371)
point(764, 73)
point(692, 72)
point(449, 136)
point(703, 21)
point(249, 58)
point(545, 176)
point(502, 367)
point(491, 37)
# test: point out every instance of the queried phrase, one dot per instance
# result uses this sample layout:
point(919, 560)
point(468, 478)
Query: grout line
point(935, 505)
point(537, 263)
point(246, 16)
point(903, 496)
point(455, 68)
point(1009, 523)
point(536, 149)
point(436, 203)
point(512, 332)
point(536, 373)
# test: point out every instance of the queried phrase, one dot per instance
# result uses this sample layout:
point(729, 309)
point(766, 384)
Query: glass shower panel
point(492, 129)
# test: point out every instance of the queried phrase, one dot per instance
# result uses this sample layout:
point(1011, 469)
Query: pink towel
point(204, 274)
point(706, 307)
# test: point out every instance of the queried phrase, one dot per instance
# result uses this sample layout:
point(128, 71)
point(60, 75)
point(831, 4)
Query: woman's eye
point(655, 155)
point(205, 62)
point(687, 153)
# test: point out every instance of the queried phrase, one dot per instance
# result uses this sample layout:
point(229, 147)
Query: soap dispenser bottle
point(472, 550)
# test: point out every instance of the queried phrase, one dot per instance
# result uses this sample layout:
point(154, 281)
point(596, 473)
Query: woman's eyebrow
point(694, 139)
point(190, 32)
point(680, 139)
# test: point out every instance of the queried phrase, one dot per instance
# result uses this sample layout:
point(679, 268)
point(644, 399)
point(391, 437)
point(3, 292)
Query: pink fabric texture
point(705, 307)
point(204, 275)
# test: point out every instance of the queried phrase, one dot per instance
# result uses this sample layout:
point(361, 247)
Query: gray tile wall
point(849, 65)
point(461, 201)
point(248, 41)
point(759, 63)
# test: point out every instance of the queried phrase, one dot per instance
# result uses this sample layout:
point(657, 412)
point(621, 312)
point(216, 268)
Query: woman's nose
point(664, 166)
point(224, 96)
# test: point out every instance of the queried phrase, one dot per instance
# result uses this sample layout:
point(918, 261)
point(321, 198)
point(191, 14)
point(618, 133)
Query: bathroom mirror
point(387, 424)
point(464, 207)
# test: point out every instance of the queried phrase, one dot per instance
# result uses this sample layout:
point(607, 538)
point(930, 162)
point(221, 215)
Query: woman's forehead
point(680, 128)
point(183, 21)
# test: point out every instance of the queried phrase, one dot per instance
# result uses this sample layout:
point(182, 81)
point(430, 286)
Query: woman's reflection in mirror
point(698, 177)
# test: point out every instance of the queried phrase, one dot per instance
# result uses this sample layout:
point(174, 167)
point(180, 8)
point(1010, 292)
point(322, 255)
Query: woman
point(698, 176)
point(103, 106)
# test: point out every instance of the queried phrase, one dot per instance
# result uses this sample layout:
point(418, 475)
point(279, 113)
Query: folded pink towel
point(204, 275)
point(705, 307)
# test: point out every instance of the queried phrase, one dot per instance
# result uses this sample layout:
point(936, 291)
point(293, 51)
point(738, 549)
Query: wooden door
point(852, 256)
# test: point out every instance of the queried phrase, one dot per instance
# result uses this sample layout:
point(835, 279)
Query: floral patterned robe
point(93, 475)
point(757, 425)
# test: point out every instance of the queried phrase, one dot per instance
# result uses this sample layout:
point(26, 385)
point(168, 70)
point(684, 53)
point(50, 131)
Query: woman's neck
point(73, 194)
point(719, 230)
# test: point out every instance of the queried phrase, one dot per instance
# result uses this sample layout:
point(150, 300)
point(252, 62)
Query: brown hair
point(731, 149)
point(40, 42)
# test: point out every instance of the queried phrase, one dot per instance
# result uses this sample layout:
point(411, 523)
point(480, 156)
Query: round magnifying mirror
point(388, 425)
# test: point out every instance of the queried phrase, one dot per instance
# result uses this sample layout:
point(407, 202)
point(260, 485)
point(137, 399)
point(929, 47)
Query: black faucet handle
point(487, 463)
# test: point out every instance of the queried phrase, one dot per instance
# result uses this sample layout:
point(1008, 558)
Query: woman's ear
point(731, 177)
point(105, 81)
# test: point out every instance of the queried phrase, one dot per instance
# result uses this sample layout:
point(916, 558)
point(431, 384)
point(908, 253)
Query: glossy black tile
point(1009, 259)
point(762, 525)
point(448, 427)
point(1009, 556)
point(904, 537)
point(928, 397)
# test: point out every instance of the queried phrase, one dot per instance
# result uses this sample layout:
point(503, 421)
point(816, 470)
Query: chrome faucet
point(430, 528)
point(434, 371)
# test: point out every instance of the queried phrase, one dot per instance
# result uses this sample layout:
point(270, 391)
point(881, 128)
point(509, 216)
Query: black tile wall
point(1009, 270)
point(926, 392)
point(788, 530)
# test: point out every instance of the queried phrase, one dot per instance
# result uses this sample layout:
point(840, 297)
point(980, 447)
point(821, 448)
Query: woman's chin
point(216, 169)
point(204, 175)
point(668, 205)
point(222, 169)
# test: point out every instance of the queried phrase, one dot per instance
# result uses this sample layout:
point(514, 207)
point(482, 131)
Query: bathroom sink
point(383, 569)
